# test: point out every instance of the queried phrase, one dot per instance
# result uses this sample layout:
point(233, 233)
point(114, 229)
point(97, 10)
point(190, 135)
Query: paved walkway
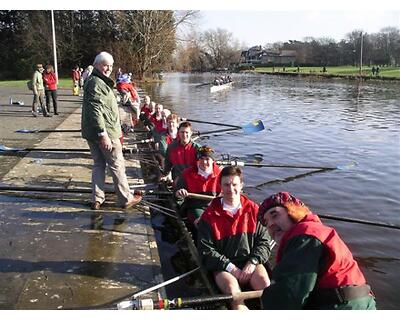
point(55, 252)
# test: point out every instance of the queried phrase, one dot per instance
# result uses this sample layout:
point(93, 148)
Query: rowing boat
point(221, 87)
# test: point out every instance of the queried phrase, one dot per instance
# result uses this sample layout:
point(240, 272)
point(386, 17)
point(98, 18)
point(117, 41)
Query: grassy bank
point(340, 70)
point(64, 83)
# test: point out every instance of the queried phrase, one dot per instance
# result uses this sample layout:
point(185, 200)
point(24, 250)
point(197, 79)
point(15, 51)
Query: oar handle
point(200, 196)
point(230, 163)
point(247, 295)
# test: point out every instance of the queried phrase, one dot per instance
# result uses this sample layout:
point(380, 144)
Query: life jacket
point(340, 269)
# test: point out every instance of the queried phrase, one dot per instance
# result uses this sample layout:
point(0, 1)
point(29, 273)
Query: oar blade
point(27, 130)
point(5, 148)
point(347, 166)
point(255, 126)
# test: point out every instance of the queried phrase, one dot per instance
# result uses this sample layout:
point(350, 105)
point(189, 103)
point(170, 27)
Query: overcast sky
point(261, 27)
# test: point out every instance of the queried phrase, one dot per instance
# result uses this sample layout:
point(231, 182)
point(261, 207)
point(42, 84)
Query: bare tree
point(221, 48)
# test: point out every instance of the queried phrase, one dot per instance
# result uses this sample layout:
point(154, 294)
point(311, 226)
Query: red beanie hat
point(297, 210)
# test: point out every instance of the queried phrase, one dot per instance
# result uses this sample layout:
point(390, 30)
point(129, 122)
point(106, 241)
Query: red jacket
point(180, 157)
point(158, 124)
point(146, 109)
point(196, 183)
point(50, 80)
point(341, 268)
point(75, 75)
point(128, 87)
point(224, 238)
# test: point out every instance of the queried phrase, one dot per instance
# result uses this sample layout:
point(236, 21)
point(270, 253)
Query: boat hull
point(221, 87)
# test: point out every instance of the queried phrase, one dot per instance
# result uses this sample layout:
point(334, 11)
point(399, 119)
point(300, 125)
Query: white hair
point(103, 57)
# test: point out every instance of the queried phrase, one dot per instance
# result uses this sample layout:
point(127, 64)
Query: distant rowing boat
point(221, 87)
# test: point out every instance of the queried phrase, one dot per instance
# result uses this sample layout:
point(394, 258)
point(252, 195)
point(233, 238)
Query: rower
point(232, 243)
point(315, 269)
point(181, 153)
point(203, 178)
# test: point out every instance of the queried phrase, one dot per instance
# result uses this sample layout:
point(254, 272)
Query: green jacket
point(293, 281)
point(37, 81)
point(100, 108)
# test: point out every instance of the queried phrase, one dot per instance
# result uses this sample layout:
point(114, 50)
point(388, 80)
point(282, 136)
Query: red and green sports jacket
point(193, 182)
point(225, 238)
point(312, 255)
point(180, 157)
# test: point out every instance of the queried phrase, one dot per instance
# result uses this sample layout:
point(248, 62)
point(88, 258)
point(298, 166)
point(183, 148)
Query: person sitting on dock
point(315, 269)
point(203, 179)
point(231, 241)
point(100, 126)
point(181, 153)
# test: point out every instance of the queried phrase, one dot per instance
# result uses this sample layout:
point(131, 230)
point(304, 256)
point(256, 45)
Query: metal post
point(54, 44)
point(361, 54)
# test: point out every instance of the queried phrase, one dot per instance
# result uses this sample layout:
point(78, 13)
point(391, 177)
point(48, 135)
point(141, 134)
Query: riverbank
point(57, 253)
point(352, 73)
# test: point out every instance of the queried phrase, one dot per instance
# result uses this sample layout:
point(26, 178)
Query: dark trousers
point(53, 95)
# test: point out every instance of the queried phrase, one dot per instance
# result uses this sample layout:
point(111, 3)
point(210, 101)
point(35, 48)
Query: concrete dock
point(55, 252)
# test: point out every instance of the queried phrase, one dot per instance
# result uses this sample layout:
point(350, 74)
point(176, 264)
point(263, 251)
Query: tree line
point(217, 49)
point(141, 41)
point(146, 41)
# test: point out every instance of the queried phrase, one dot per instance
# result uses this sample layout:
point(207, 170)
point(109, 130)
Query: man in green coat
point(38, 91)
point(102, 130)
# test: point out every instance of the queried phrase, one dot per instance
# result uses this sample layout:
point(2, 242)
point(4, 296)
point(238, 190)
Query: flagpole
point(54, 44)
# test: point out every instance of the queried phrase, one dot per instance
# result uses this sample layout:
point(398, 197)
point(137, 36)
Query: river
point(309, 121)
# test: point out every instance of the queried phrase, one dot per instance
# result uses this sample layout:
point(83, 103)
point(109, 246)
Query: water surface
point(326, 123)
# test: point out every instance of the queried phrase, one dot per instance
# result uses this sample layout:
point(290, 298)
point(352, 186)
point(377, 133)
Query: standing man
point(231, 241)
point(315, 269)
point(38, 91)
point(102, 130)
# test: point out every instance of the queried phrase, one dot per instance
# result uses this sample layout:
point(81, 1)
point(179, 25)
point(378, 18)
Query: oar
point(125, 305)
point(360, 221)
point(46, 130)
point(185, 302)
point(64, 130)
point(4, 148)
point(163, 284)
point(203, 84)
point(199, 196)
point(214, 123)
point(289, 166)
point(249, 128)
point(325, 216)
point(133, 188)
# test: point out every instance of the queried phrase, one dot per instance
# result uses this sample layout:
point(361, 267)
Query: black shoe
point(56, 113)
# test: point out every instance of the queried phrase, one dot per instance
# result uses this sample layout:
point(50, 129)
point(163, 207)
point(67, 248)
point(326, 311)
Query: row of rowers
point(314, 269)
